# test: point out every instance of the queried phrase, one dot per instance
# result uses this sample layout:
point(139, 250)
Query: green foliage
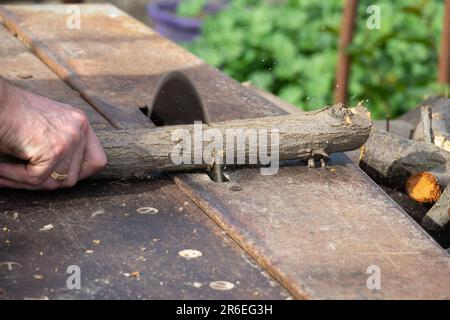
point(290, 48)
point(190, 8)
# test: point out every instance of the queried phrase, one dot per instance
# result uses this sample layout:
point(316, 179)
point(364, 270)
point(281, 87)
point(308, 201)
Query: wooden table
point(308, 233)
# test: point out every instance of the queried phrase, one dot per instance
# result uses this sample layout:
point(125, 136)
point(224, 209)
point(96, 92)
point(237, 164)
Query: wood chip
point(190, 254)
point(147, 210)
point(221, 285)
point(96, 241)
point(38, 276)
point(47, 227)
point(135, 274)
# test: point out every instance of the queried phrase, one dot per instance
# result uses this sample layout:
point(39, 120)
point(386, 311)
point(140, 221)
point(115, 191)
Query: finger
point(47, 185)
point(75, 166)
point(27, 173)
point(62, 169)
point(94, 156)
point(5, 183)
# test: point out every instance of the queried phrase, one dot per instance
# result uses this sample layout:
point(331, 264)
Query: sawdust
point(134, 274)
point(47, 227)
point(190, 254)
point(147, 210)
point(221, 285)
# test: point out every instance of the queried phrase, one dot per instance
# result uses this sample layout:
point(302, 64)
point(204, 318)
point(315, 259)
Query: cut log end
point(423, 187)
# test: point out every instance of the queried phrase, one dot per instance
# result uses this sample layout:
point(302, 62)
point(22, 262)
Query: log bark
point(137, 153)
point(440, 123)
point(426, 116)
point(437, 220)
point(391, 160)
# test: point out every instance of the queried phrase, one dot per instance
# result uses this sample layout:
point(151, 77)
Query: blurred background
point(290, 47)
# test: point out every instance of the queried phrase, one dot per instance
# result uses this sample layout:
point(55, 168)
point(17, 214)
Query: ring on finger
point(58, 176)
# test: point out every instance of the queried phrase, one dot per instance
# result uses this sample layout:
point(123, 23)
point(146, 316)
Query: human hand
point(51, 136)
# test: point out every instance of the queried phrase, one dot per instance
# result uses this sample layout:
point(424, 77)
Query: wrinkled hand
point(50, 136)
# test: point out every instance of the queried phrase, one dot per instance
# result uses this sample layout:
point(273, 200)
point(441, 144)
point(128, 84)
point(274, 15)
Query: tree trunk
point(136, 153)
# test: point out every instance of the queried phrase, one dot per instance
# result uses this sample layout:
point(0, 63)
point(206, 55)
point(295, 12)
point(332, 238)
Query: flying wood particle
point(38, 276)
point(89, 251)
point(96, 241)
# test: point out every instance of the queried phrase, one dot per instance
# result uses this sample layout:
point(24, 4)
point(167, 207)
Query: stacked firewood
point(412, 162)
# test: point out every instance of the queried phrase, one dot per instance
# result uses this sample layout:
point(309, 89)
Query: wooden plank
point(116, 62)
point(129, 241)
point(316, 230)
point(19, 66)
point(319, 230)
point(34, 262)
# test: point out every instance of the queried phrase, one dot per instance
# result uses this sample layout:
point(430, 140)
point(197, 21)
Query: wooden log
point(423, 187)
point(439, 123)
point(426, 116)
point(392, 160)
point(138, 152)
point(437, 219)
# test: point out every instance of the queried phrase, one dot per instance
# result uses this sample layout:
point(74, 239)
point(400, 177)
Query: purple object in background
point(177, 28)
